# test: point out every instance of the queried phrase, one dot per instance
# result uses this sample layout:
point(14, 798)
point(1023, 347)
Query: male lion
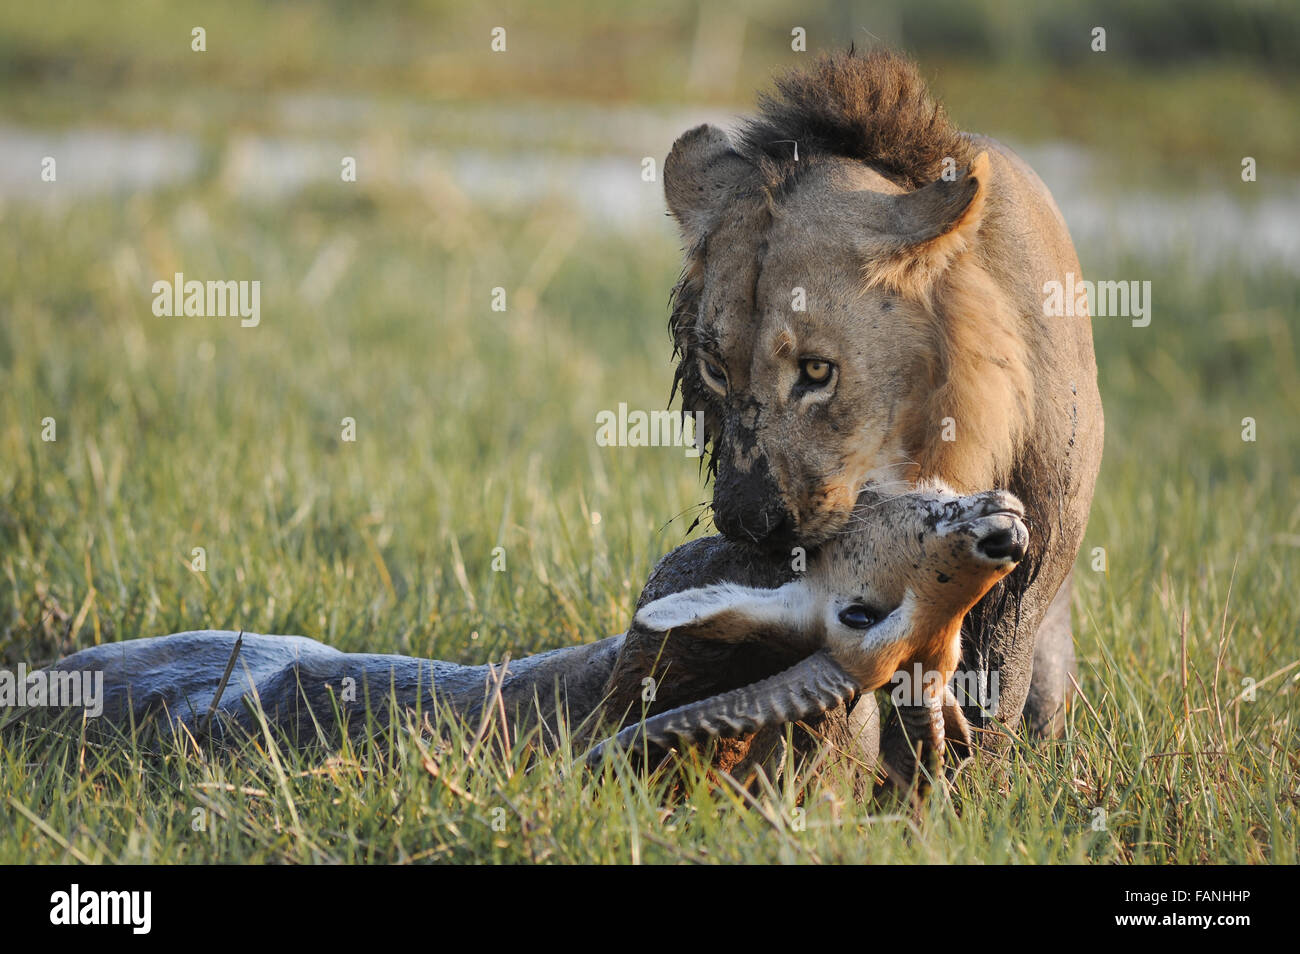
point(862, 305)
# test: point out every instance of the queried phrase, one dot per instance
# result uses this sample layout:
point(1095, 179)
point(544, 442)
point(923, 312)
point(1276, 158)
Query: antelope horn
point(812, 686)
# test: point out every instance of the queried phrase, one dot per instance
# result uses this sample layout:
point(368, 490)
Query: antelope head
point(888, 591)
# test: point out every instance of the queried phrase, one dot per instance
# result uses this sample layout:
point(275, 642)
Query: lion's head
point(833, 320)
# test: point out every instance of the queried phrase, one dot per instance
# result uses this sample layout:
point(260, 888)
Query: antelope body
point(748, 654)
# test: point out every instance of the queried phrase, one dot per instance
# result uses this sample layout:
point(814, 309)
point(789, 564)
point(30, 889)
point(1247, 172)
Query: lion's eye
point(860, 616)
point(815, 371)
point(713, 373)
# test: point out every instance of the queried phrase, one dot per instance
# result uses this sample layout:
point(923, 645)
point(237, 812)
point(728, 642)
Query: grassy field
point(475, 429)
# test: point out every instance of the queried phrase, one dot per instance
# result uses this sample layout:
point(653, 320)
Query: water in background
point(590, 158)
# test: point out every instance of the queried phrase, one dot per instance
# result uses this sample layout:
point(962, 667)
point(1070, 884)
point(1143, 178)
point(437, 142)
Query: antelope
point(735, 655)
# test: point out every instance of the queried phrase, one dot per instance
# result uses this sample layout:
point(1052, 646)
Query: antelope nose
point(1009, 543)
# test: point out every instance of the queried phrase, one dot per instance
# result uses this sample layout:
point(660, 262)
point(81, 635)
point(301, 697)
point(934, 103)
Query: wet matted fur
point(918, 253)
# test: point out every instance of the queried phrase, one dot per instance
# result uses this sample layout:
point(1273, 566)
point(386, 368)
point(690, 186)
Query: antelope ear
point(700, 173)
point(925, 230)
point(732, 613)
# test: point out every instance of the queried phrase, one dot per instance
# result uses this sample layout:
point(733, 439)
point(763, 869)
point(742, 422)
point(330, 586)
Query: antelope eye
point(713, 373)
point(860, 616)
point(815, 371)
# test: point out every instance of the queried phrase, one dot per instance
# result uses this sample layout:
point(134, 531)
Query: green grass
point(475, 429)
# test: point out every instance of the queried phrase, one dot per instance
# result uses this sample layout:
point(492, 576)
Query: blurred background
point(522, 169)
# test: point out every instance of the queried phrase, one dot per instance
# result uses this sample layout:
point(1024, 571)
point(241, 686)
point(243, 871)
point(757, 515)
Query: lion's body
point(911, 258)
point(1054, 467)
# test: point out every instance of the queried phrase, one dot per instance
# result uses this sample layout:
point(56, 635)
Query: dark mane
point(873, 107)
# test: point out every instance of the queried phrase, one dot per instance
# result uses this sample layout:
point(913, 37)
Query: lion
point(861, 306)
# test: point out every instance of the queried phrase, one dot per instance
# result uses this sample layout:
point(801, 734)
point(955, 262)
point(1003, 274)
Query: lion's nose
point(747, 505)
point(768, 527)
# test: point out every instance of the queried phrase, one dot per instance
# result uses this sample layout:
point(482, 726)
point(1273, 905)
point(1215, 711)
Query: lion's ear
point(700, 174)
point(926, 229)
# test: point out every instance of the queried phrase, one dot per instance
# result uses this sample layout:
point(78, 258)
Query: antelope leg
point(957, 731)
point(911, 766)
